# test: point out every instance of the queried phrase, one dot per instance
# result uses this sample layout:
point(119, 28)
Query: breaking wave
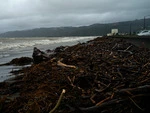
point(15, 43)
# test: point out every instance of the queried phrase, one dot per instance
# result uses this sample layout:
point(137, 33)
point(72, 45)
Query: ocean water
point(11, 48)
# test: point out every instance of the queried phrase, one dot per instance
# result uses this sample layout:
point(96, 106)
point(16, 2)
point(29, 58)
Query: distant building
point(113, 32)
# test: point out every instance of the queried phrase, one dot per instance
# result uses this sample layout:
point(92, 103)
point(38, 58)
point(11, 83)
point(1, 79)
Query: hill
point(91, 30)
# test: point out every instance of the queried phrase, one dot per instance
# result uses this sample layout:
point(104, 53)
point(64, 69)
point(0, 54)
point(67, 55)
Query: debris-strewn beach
point(104, 75)
point(16, 47)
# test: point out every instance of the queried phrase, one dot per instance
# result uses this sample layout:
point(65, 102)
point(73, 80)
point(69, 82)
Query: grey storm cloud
point(28, 14)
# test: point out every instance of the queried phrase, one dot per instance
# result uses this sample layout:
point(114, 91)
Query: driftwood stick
point(94, 108)
point(128, 48)
point(142, 89)
point(92, 100)
point(97, 90)
point(59, 63)
point(136, 104)
point(59, 100)
point(99, 103)
point(126, 51)
point(144, 80)
point(108, 103)
point(103, 103)
point(71, 83)
point(114, 46)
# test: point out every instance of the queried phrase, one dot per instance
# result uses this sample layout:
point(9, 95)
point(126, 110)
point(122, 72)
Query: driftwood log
point(39, 56)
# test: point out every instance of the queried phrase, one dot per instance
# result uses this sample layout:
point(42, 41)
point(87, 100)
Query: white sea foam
point(15, 43)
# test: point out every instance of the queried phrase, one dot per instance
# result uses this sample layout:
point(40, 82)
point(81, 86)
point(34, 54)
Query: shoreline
point(21, 47)
point(94, 74)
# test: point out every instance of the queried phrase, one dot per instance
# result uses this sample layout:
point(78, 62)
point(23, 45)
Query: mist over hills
point(91, 30)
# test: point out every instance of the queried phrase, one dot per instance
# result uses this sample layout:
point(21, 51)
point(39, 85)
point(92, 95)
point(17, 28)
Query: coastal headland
point(107, 75)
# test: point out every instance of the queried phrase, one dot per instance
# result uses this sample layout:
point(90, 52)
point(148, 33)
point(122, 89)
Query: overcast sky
point(28, 14)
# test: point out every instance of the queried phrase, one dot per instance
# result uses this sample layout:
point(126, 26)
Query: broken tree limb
point(136, 104)
point(92, 98)
point(104, 102)
point(125, 51)
point(99, 103)
point(59, 100)
point(59, 63)
point(107, 103)
point(128, 48)
point(140, 89)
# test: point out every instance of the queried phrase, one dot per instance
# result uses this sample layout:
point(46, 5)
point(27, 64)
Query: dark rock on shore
point(104, 75)
point(21, 61)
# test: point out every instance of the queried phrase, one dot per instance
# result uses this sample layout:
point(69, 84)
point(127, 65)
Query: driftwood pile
point(104, 75)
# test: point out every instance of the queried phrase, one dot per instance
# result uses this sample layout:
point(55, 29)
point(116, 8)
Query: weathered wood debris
point(104, 75)
point(19, 61)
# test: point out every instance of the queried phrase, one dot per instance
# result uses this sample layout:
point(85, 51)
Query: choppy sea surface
point(11, 48)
